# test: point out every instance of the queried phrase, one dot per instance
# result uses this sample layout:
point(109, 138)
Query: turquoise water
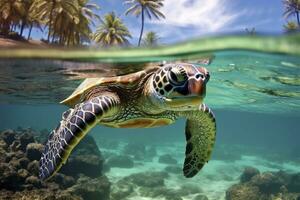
point(255, 97)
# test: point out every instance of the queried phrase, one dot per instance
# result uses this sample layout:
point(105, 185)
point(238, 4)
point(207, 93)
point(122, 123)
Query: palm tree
point(151, 39)
point(78, 30)
point(140, 7)
point(11, 12)
point(112, 31)
point(31, 23)
point(68, 21)
point(251, 31)
point(292, 7)
point(50, 11)
point(43, 11)
point(65, 16)
point(291, 27)
point(82, 30)
point(25, 19)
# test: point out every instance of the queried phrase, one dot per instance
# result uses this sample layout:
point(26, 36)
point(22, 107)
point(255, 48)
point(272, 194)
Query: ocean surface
point(255, 97)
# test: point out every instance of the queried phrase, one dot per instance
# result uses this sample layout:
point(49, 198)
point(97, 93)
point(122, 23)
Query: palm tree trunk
point(50, 19)
point(29, 33)
point(22, 28)
point(142, 29)
point(298, 20)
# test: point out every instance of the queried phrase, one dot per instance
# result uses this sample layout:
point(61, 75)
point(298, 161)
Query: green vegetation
point(292, 8)
point(112, 32)
point(12, 13)
point(140, 7)
point(69, 22)
point(291, 27)
point(151, 39)
point(250, 31)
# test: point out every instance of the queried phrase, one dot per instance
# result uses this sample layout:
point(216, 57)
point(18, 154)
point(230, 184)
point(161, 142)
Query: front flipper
point(73, 127)
point(200, 132)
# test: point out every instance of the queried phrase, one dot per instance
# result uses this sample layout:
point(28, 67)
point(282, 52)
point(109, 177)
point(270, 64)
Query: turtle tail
point(74, 125)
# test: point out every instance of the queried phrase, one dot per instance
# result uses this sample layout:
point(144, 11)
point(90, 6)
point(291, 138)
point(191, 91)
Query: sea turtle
point(152, 97)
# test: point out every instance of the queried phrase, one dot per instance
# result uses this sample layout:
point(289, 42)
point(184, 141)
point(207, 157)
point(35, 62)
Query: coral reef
point(265, 186)
point(81, 178)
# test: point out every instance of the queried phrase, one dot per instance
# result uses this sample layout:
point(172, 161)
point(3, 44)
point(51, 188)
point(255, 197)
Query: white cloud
point(205, 15)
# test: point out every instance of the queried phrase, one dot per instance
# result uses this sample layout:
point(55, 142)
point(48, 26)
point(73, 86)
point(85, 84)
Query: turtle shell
point(89, 83)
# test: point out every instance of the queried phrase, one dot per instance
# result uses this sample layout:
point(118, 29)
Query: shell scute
point(89, 83)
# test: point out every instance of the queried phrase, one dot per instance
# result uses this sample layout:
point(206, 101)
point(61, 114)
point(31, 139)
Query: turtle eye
point(177, 75)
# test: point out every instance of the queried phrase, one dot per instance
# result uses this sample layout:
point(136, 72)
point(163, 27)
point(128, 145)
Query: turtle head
point(180, 86)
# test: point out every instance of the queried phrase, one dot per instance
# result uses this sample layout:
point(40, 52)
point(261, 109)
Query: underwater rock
point(24, 162)
point(87, 147)
point(167, 159)
point(136, 150)
point(86, 159)
point(19, 168)
point(63, 180)
point(147, 179)
point(267, 182)
point(3, 146)
point(121, 190)
point(33, 167)
point(150, 184)
point(120, 161)
point(267, 185)
point(294, 184)
point(8, 136)
point(33, 180)
point(248, 173)
point(23, 173)
point(87, 188)
point(25, 139)
point(9, 178)
point(34, 151)
point(200, 197)
point(241, 191)
point(81, 164)
point(38, 194)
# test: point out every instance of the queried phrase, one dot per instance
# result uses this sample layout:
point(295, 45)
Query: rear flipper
point(74, 126)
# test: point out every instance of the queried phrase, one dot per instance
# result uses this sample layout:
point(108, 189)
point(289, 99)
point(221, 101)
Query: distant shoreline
point(10, 43)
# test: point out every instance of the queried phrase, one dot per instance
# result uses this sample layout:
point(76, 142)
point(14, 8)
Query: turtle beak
point(197, 84)
point(197, 87)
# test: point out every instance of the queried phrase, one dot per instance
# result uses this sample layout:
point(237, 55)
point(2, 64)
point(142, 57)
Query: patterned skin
point(157, 97)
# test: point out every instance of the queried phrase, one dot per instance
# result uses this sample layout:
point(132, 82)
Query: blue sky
point(187, 19)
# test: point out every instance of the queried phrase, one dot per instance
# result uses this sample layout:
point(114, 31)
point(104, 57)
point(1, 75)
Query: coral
point(265, 186)
point(96, 188)
point(241, 191)
point(248, 173)
point(19, 168)
point(34, 151)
